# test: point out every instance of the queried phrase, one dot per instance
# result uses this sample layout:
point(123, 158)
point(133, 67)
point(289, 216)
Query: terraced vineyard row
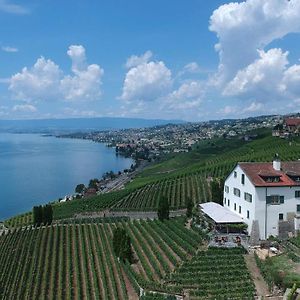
point(215, 274)
point(78, 262)
point(60, 262)
point(177, 190)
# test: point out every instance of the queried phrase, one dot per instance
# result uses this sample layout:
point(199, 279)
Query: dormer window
point(296, 178)
point(270, 179)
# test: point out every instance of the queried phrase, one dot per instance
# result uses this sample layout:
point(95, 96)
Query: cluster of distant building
point(289, 127)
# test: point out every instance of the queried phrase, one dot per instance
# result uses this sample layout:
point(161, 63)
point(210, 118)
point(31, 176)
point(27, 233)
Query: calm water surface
point(36, 169)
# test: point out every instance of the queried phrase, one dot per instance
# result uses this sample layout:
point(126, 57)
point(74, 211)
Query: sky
point(192, 60)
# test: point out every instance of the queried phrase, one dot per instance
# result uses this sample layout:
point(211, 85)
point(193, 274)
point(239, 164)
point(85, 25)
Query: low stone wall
point(134, 215)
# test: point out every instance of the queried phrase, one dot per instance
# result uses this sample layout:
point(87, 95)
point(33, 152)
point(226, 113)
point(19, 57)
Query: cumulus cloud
point(42, 81)
point(244, 27)
point(9, 49)
point(261, 77)
point(46, 81)
point(135, 60)
point(146, 82)
point(291, 81)
point(24, 108)
point(188, 95)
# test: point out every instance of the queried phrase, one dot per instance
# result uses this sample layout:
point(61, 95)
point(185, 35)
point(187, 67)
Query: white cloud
point(291, 81)
point(147, 82)
point(191, 67)
point(40, 82)
point(9, 49)
point(228, 110)
point(188, 95)
point(11, 8)
point(253, 107)
point(46, 81)
point(244, 27)
point(135, 60)
point(24, 108)
point(78, 57)
point(260, 78)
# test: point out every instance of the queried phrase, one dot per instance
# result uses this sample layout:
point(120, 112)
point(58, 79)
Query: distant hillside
point(79, 124)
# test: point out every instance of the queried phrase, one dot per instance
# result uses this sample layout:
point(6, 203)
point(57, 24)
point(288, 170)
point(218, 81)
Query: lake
point(36, 169)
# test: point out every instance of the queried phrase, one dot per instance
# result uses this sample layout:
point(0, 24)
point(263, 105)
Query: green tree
point(37, 215)
point(122, 245)
point(80, 188)
point(47, 214)
point(94, 183)
point(42, 214)
point(189, 207)
point(163, 211)
point(217, 186)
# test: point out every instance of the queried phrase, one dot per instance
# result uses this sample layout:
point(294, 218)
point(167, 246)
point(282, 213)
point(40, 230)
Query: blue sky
point(192, 60)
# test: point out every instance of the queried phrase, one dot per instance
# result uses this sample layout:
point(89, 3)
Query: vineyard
point(215, 274)
point(77, 261)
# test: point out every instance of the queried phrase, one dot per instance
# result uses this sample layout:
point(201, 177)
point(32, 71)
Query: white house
point(266, 196)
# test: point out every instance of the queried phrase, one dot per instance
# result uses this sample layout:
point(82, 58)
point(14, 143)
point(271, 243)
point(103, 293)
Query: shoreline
point(50, 200)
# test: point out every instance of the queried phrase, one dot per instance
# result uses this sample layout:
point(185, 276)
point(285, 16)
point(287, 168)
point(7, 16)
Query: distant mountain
point(79, 124)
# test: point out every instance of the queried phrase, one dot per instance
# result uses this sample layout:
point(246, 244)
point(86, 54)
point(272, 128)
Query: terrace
point(228, 228)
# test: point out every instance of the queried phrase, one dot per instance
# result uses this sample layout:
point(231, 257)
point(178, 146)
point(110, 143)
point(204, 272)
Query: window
point(248, 197)
point(298, 208)
point(228, 202)
point(234, 206)
point(224, 200)
point(275, 199)
point(271, 178)
point(226, 188)
point(240, 209)
point(280, 216)
point(297, 194)
point(235, 174)
point(243, 178)
point(237, 192)
point(248, 214)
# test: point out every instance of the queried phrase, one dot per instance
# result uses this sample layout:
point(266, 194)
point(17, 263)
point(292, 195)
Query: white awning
point(219, 213)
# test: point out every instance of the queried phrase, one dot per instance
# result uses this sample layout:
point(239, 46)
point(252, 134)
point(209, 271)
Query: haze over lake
point(35, 169)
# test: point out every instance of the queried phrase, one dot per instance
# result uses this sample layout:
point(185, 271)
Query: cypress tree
point(163, 211)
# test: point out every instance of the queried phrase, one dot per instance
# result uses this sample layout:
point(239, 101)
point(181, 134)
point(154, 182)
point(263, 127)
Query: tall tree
point(163, 211)
point(189, 207)
point(217, 186)
point(122, 245)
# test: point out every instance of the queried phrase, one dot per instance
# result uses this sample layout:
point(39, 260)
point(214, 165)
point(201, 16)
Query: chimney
point(276, 162)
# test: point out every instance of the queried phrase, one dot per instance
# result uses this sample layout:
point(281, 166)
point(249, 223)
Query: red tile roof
point(292, 121)
point(256, 172)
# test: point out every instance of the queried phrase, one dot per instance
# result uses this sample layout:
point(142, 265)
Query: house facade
point(266, 196)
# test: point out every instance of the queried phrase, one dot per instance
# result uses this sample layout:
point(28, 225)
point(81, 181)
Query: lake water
point(36, 169)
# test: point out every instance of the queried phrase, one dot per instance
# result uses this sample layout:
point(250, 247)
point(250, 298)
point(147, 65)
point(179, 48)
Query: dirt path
point(260, 284)
point(132, 295)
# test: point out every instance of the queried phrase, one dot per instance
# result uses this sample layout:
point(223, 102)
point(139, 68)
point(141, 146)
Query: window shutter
point(269, 199)
point(281, 199)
